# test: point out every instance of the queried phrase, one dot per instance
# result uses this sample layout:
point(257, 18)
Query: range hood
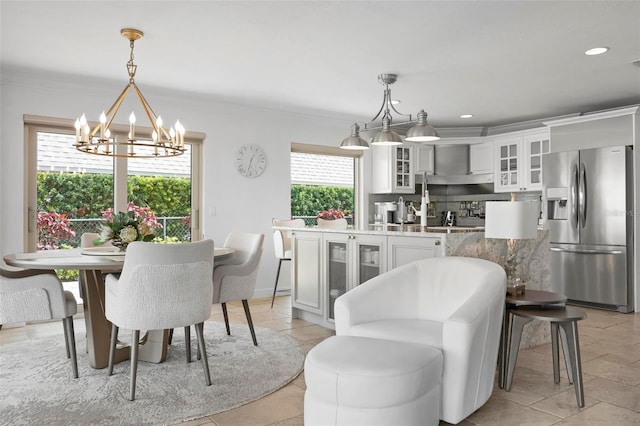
point(451, 164)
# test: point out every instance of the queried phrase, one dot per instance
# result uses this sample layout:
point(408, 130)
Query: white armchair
point(30, 295)
point(282, 245)
point(161, 286)
point(235, 278)
point(452, 303)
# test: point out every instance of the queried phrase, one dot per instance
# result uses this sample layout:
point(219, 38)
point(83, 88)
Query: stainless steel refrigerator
point(588, 198)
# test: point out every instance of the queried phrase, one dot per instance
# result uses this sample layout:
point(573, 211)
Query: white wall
point(230, 201)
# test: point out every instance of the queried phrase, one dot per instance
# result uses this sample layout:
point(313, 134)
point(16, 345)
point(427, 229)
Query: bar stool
point(564, 323)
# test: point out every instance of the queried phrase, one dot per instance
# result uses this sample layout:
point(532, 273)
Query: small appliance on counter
point(449, 218)
point(384, 212)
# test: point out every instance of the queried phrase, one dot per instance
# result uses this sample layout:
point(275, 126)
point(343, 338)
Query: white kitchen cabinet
point(403, 250)
point(351, 260)
point(481, 158)
point(306, 271)
point(392, 170)
point(536, 146)
point(424, 158)
point(519, 161)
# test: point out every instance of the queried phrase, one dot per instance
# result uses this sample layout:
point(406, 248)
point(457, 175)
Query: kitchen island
point(326, 263)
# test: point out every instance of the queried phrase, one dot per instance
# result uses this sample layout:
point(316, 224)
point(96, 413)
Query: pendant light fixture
point(421, 132)
point(354, 141)
point(160, 143)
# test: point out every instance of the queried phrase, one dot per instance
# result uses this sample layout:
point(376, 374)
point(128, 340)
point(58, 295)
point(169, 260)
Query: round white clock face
point(250, 160)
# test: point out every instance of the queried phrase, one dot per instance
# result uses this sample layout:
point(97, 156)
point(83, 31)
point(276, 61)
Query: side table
point(565, 318)
point(532, 298)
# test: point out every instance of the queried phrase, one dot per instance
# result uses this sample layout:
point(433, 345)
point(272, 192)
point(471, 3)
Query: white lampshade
point(516, 220)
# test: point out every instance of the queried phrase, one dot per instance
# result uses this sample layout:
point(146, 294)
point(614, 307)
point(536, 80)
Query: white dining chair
point(162, 286)
point(282, 245)
point(37, 295)
point(235, 278)
point(332, 224)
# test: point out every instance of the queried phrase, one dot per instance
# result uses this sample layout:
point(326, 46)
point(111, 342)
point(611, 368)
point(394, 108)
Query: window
point(324, 178)
point(70, 188)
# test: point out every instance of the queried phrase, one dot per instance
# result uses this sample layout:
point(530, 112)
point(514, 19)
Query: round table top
point(76, 259)
point(552, 314)
point(536, 297)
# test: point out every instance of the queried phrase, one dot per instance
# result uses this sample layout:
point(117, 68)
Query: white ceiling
point(503, 61)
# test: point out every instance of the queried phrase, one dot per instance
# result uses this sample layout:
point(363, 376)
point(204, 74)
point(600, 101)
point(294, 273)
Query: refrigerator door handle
point(582, 196)
point(586, 251)
point(575, 212)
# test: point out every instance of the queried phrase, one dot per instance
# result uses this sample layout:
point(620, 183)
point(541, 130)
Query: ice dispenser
point(557, 203)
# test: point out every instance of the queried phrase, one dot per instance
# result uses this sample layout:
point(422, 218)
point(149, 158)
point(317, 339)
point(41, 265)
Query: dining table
point(92, 263)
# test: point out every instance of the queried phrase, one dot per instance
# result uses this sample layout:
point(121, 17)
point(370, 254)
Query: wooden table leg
point(152, 349)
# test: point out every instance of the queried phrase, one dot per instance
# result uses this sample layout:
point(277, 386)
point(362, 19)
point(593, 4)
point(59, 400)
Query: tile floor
point(610, 348)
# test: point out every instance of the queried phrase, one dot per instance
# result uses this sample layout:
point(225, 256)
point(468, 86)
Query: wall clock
point(250, 160)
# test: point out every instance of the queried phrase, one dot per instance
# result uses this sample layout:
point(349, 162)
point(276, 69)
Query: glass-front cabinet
point(519, 162)
point(352, 260)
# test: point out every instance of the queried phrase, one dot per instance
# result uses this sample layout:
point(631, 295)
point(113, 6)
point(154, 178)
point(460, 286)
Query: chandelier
point(421, 132)
point(99, 141)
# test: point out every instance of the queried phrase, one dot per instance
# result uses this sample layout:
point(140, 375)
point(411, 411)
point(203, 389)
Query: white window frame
point(358, 187)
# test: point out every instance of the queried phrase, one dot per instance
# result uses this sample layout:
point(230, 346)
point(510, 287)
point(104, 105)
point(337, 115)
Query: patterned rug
point(37, 386)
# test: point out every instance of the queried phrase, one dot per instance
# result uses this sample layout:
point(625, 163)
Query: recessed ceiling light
point(596, 51)
point(466, 116)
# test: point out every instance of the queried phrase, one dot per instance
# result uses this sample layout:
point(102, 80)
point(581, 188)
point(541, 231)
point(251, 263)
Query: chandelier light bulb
point(132, 118)
point(83, 120)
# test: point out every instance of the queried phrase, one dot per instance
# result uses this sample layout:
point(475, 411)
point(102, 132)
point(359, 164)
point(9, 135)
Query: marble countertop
point(403, 230)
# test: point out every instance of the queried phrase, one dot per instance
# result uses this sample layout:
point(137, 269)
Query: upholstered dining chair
point(37, 295)
point(332, 224)
point(88, 239)
point(162, 286)
point(235, 278)
point(282, 245)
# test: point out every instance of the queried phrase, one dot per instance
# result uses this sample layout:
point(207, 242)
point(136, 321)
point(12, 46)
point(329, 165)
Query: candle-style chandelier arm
point(151, 115)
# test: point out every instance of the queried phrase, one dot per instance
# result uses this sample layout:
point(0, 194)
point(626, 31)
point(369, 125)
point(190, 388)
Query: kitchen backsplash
point(468, 203)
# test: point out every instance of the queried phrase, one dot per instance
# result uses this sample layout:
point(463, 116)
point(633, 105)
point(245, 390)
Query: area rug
point(37, 387)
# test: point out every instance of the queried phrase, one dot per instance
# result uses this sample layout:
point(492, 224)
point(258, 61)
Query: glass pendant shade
point(386, 136)
point(422, 132)
point(354, 141)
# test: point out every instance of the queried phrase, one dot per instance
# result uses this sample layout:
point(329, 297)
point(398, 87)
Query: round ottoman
point(362, 381)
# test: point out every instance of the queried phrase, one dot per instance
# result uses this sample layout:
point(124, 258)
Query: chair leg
point(170, 335)
point(275, 287)
point(226, 318)
point(187, 342)
point(515, 335)
point(198, 348)
point(71, 344)
point(245, 304)
point(203, 350)
point(112, 348)
point(134, 363)
point(66, 337)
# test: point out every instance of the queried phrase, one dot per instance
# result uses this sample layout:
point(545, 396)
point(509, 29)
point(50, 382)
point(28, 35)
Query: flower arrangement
point(331, 214)
point(122, 228)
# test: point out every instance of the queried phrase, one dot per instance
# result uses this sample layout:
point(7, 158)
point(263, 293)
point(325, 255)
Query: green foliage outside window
point(88, 195)
point(308, 200)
